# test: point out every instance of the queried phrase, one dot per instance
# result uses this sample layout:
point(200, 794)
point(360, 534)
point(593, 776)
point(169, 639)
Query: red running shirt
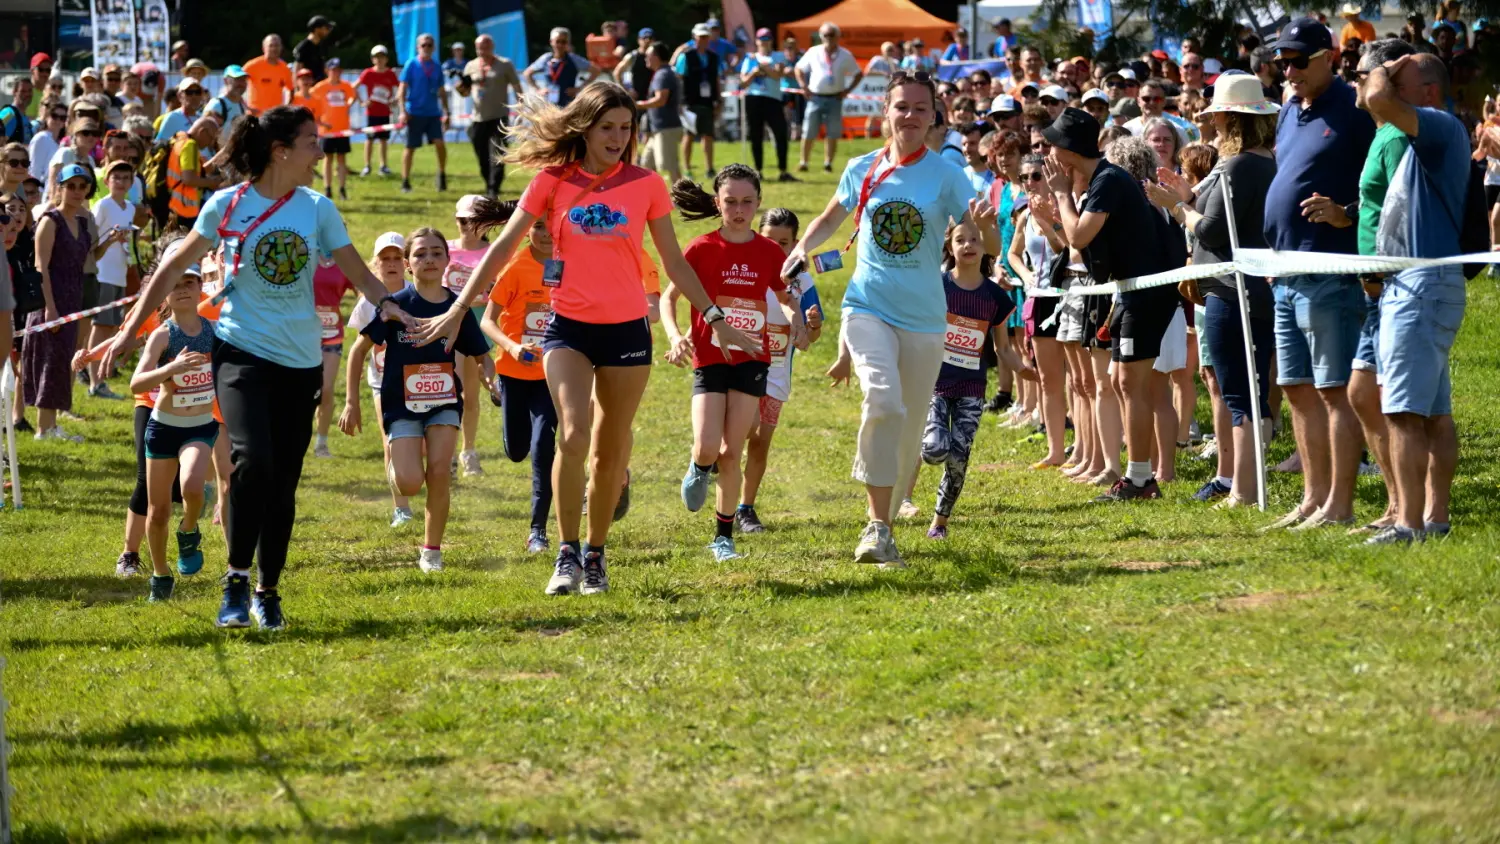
point(736, 277)
point(381, 87)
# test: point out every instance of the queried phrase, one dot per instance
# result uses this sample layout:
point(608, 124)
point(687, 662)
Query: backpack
point(1474, 228)
point(154, 169)
point(21, 131)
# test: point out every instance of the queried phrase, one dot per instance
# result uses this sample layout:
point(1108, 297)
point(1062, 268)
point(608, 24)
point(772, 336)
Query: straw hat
point(1350, 10)
point(1242, 94)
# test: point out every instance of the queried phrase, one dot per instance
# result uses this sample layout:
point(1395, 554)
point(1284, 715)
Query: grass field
point(1057, 670)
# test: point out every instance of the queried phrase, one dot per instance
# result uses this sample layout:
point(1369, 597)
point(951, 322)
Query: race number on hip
point(333, 327)
point(778, 340)
point(964, 341)
point(534, 323)
point(748, 315)
point(429, 386)
point(193, 388)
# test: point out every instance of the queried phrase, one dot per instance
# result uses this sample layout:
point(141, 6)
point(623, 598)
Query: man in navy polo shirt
point(1321, 140)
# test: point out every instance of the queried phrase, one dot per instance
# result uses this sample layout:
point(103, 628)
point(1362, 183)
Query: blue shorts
point(826, 112)
point(337, 349)
point(606, 344)
point(1317, 329)
point(1420, 312)
point(165, 442)
point(417, 428)
point(1365, 359)
point(418, 128)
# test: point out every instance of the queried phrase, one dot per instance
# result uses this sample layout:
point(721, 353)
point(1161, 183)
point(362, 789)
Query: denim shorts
point(417, 428)
point(1317, 329)
point(1365, 359)
point(1420, 312)
point(419, 128)
point(826, 112)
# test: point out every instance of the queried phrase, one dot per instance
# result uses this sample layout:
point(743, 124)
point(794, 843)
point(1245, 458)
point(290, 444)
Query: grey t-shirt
point(491, 85)
point(667, 116)
point(1251, 176)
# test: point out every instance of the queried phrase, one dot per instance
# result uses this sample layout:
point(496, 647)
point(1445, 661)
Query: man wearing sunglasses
point(1153, 103)
point(1321, 140)
point(15, 126)
point(190, 94)
point(1192, 73)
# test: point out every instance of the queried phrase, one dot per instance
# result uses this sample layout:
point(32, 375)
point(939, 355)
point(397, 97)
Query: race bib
point(193, 388)
point(778, 341)
point(748, 315)
point(964, 341)
point(377, 361)
point(380, 94)
point(456, 276)
point(336, 99)
point(534, 323)
point(428, 386)
point(333, 326)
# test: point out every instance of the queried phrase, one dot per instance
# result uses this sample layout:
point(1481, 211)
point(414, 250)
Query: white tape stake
point(1244, 298)
point(8, 387)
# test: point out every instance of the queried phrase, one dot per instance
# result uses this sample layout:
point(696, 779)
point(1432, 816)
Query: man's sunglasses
point(1300, 62)
point(1040, 146)
point(1118, 83)
point(1152, 99)
point(1192, 67)
point(113, 77)
point(196, 92)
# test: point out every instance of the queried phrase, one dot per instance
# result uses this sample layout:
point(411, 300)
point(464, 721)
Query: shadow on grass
point(88, 588)
point(418, 827)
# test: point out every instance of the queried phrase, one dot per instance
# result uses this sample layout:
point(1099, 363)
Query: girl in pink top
point(598, 206)
point(475, 216)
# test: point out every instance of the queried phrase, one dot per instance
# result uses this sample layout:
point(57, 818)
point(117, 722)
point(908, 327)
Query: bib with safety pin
point(428, 386)
point(963, 341)
point(778, 340)
point(333, 325)
point(194, 388)
point(748, 315)
point(534, 322)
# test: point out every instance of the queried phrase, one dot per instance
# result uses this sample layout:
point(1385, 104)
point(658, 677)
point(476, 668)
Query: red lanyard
point(872, 182)
point(557, 226)
point(224, 232)
point(557, 68)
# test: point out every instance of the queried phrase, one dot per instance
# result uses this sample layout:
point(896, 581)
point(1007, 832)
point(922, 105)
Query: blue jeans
point(1420, 312)
point(1317, 329)
point(1365, 358)
point(1224, 335)
point(417, 428)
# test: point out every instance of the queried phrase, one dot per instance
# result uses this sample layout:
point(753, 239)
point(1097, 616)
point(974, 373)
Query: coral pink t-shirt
point(598, 237)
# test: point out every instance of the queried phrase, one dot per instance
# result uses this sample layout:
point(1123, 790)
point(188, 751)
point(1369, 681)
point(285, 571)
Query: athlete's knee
point(157, 514)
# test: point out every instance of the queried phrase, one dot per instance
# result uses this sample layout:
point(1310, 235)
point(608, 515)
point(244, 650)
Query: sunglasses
point(1152, 99)
point(113, 77)
point(1032, 177)
point(1300, 62)
point(18, 162)
point(1050, 101)
point(920, 76)
point(58, 115)
point(196, 92)
point(1192, 67)
point(86, 133)
point(75, 184)
point(1118, 83)
point(1040, 146)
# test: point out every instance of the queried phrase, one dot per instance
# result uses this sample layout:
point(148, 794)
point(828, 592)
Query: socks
point(1138, 473)
point(426, 547)
point(245, 573)
point(725, 525)
point(323, 440)
point(591, 549)
point(745, 508)
point(703, 469)
point(1225, 481)
point(573, 543)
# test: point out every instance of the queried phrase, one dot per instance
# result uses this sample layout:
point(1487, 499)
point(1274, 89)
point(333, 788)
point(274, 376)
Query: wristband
point(713, 314)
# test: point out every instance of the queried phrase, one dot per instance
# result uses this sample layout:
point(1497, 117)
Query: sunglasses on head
point(920, 76)
point(1300, 62)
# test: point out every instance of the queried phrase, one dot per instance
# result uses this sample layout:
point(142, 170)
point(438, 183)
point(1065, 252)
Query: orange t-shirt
point(1363, 30)
point(525, 305)
point(598, 237)
point(310, 104)
point(269, 83)
point(650, 275)
point(333, 99)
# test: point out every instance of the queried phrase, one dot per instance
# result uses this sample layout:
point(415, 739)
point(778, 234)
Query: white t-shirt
point(108, 215)
point(779, 377)
point(825, 76)
point(43, 147)
point(64, 156)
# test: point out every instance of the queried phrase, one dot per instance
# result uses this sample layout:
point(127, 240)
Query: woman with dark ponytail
point(267, 359)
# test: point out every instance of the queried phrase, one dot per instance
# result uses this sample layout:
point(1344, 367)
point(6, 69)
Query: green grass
point(1055, 671)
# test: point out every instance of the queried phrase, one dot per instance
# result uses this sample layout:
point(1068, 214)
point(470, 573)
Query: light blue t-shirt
point(173, 122)
point(980, 181)
point(424, 84)
point(1423, 212)
point(760, 86)
point(898, 276)
point(269, 312)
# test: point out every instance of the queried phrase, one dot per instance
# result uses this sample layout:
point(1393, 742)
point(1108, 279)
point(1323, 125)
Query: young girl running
point(422, 389)
point(737, 267)
point(780, 225)
point(388, 265)
point(329, 287)
point(977, 311)
point(475, 216)
point(181, 432)
point(515, 320)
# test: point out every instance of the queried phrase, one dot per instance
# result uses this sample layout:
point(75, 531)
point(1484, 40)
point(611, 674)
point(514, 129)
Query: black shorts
point(604, 344)
point(382, 120)
point(90, 291)
point(703, 118)
point(1140, 322)
point(1042, 308)
point(335, 146)
point(748, 377)
point(1095, 316)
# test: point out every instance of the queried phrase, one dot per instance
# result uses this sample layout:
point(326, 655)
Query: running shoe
point(343, 195)
point(537, 542)
point(622, 506)
point(1126, 490)
point(746, 520)
point(406, 187)
point(266, 607)
point(1195, 434)
point(129, 564)
point(161, 588)
point(1318, 520)
point(872, 543)
point(1210, 449)
point(908, 510)
point(189, 555)
point(386, 171)
point(1437, 530)
point(401, 516)
point(57, 433)
point(321, 450)
point(937, 532)
point(1231, 501)
point(82, 377)
point(364, 172)
point(595, 578)
point(1395, 535)
point(787, 178)
point(567, 573)
point(442, 182)
point(723, 548)
point(1000, 403)
point(431, 560)
point(470, 462)
point(101, 390)
point(22, 426)
point(234, 611)
point(827, 168)
point(694, 487)
point(1210, 491)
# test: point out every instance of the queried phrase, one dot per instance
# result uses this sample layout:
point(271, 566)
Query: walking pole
point(8, 387)
point(1244, 297)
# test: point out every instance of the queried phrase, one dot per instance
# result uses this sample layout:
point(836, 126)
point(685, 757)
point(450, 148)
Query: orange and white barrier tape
point(84, 314)
point(368, 130)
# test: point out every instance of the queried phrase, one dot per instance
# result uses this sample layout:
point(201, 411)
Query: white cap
point(86, 73)
point(700, 29)
point(1095, 94)
point(379, 49)
point(1056, 92)
point(188, 82)
point(389, 239)
point(467, 204)
point(195, 271)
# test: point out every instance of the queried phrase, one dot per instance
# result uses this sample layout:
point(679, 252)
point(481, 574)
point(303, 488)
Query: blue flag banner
point(505, 22)
point(1099, 16)
point(997, 69)
point(411, 18)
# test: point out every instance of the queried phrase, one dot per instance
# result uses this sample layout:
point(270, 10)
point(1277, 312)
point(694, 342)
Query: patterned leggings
point(951, 426)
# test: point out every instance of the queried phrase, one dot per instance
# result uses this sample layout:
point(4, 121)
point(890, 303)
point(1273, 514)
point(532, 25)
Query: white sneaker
point(431, 560)
point(321, 450)
point(57, 433)
point(470, 461)
point(908, 510)
point(872, 543)
point(1210, 450)
point(401, 516)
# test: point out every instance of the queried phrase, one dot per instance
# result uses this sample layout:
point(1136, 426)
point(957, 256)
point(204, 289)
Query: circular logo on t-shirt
point(897, 227)
point(280, 257)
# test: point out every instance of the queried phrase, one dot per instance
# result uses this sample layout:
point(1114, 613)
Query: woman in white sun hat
point(1246, 124)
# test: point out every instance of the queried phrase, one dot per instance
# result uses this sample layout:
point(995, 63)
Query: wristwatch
point(712, 314)
point(1352, 211)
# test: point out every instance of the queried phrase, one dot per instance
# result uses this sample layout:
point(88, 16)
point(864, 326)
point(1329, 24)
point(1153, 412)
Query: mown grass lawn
point(1057, 670)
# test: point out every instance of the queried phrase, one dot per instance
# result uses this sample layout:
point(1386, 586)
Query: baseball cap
point(379, 50)
point(456, 45)
point(1032, 85)
point(1159, 55)
point(388, 240)
point(73, 171)
point(1127, 108)
point(116, 165)
point(319, 20)
point(1306, 36)
point(1056, 92)
point(40, 59)
point(1004, 104)
point(1095, 94)
point(178, 45)
point(1076, 131)
point(234, 71)
point(700, 29)
point(646, 32)
point(306, 71)
point(194, 64)
point(87, 73)
point(466, 205)
point(764, 33)
point(713, 23)
point(1124, 73)
point(188, 82)
point(333, 62)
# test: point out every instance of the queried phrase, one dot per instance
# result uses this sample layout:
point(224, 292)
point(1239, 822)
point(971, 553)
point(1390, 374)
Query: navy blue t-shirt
point(1319, 149)
point(972, 315)
point(420, 381)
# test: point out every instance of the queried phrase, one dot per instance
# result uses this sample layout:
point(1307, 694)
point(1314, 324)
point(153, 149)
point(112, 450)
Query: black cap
point(1306, 36)
point(1076, 131)
point(317, 21)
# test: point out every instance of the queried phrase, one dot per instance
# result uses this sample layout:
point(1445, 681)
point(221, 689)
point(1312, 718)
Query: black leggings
point(138, 496)
point(529, 426)
point(268, 410)
point(762, 112)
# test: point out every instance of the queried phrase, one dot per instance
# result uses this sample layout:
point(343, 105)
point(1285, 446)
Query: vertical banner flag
point(410, 19)
point(1099, 16)
point(153, 33)
point(505, 22)
point(114, 32)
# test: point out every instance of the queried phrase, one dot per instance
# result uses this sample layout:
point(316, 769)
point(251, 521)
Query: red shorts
point(770, 410)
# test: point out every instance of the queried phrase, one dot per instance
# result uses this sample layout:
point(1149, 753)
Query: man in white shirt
point(1153, 103)
point(114, 219)
point(828, 73)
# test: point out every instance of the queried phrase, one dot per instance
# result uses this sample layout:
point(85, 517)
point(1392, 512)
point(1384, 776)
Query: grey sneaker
point(1396, 535)
point(694, 488)
point(875, 544)
point(567, 573)
point(595, 578)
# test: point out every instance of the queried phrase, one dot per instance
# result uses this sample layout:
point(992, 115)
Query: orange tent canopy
point(866, 24)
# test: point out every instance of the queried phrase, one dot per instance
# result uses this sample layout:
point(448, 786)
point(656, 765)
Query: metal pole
point(1244, 297)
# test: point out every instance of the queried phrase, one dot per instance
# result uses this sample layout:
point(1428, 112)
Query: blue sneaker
point(1211, 491)
point(189, 557)
point(161, 587)
point(723, 548)
point(694, 488)
point(235, 609)
point(266, 607)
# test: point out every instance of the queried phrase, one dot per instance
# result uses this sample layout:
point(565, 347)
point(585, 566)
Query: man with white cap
point(1121, 85)
point(453, 66)
point(180, 119)
point(494, 78)
point(380, 84)
point(1054, 99)
point(702, 70)
point(230, 103)
point(1096, 103)
point(1005, 113)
